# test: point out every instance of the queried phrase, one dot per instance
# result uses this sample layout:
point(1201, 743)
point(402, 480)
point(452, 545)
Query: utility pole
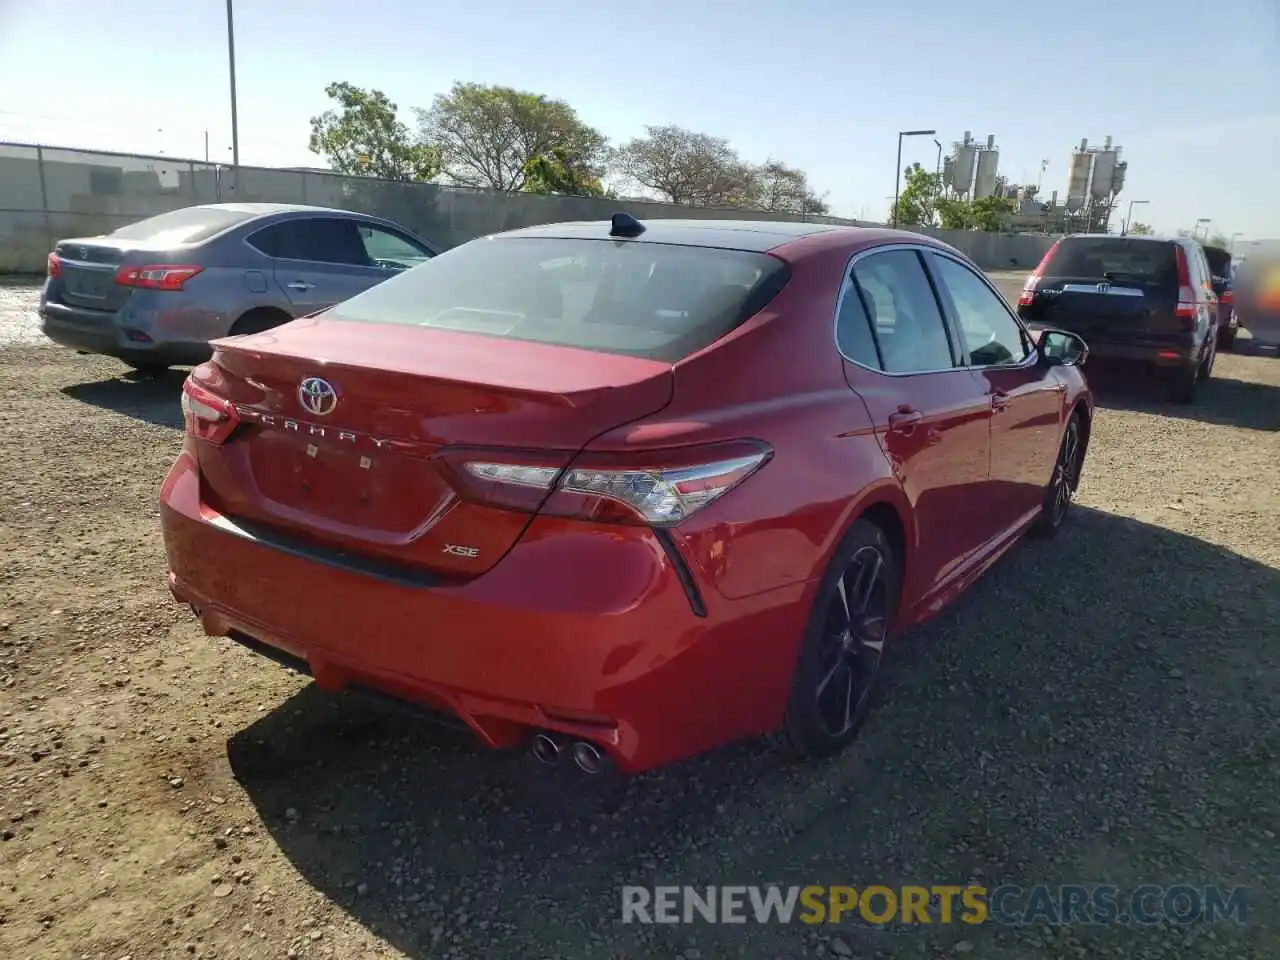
point(231, 57)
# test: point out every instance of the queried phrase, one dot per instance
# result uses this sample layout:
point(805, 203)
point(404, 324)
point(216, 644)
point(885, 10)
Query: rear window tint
point(189, 225)
point(658, 301)
point(1135, 261)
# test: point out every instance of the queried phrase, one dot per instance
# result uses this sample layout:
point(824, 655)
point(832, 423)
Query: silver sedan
point(154, 293)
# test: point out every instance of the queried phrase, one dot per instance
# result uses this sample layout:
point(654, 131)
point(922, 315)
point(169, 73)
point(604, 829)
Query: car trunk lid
point(375, 469)
point(87, 268)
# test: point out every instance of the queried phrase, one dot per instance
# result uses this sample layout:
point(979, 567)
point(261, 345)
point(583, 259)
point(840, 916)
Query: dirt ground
point(1104, 708)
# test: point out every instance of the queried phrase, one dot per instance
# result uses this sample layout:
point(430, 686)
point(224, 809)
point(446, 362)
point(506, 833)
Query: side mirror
point(1059, 348)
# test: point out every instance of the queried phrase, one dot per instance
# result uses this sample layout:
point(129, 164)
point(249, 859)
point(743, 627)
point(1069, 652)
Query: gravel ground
point(1099, 709)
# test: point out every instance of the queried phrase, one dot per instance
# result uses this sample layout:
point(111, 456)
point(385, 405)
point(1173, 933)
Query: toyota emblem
point(317, 396)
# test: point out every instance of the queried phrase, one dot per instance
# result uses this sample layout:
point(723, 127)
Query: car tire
point(1064, 481)
point(1205, 370)
point(1226, 339)
point(258, 321)
point(1184, 385)
point(838, 668)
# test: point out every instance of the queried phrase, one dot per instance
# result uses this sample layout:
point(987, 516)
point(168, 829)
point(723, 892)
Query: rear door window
point(854, 337)
point(910, 334)
point(188, 225)
point(660, 301)
point(330, 240)
point(316, 239)
point(1147, 263)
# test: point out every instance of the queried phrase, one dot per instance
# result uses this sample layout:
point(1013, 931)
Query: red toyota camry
point(624, 491)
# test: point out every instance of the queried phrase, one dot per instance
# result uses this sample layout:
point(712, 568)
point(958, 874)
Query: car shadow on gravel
point(1222, 401)
point(1099, 709)
point(153, 399)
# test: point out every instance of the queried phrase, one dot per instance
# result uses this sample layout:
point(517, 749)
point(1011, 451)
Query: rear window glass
point(658, 301)
point(1117, 260)
point(189, 225)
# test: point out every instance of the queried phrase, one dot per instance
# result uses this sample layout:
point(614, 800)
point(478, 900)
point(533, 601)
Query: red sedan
point(621, 490)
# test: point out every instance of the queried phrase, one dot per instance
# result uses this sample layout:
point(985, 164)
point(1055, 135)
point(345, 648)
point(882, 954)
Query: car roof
point(1136, 238)
point(269, 209)
point(753, 235)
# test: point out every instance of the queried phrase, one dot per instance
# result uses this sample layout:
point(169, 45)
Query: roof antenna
point(625, 225)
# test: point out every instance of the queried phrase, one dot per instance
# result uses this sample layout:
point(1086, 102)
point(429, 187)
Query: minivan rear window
point(1116, 259)
point(658, 301)
point(188, 225)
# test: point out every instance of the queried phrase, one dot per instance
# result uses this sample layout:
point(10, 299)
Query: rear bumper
point(1172, 357)
point(573, 631)
point(104, 333)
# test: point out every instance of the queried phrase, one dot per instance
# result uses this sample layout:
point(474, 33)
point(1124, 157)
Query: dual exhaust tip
point(547, 750)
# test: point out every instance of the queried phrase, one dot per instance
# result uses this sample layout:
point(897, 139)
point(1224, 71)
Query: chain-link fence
point(51, 193)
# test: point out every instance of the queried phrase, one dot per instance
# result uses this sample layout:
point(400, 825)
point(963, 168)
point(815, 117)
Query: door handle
point(904, 419)
point(301, 285)
point(1000, 400)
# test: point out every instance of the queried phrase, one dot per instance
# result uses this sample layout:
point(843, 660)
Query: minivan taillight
point(656, 488)
point(1028, 294)
point(208, 416)
point(158, 277)
point(1186, 293)
point(54, 265)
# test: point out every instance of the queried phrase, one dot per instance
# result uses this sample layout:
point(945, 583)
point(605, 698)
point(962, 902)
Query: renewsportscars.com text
point(937, 904)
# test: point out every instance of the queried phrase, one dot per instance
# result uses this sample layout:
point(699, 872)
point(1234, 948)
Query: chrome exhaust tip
point(588, 757)
point(545, 749)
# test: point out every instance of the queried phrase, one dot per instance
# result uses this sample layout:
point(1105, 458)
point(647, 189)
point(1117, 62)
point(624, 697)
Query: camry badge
point(317, 396)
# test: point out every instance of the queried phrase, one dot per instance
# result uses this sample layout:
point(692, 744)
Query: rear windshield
point(1150, 262)
point(1219, 261)
point(189, 225)
point(659, 301)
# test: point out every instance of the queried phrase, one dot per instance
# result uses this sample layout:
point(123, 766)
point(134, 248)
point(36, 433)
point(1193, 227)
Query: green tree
point(992, 213)
point(786, 190)
point(918, 199)
point(954, 214)
point(487, 135)
point(364, 137)
point(560, 172)
point(682, 166)
point(1139, 229)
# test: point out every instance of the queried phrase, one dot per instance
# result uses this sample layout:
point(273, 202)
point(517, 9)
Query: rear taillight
point(658, 488)
point(1028, 294)
point(1186, 293)
point(1228, 297)
point(208, 416)
point(159, 277)
point(54, 265)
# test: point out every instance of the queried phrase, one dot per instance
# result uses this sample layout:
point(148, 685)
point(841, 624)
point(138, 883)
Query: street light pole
point(897, 167)
point(231, 57)
point(1128, 219)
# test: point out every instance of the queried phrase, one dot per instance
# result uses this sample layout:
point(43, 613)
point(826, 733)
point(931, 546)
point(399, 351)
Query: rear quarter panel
point(234, 280)
point(779, 379)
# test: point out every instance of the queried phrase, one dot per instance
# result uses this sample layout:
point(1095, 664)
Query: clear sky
point(1190, 89)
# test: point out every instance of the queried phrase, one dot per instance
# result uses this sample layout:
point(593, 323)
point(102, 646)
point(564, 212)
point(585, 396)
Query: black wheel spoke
point(854, 641)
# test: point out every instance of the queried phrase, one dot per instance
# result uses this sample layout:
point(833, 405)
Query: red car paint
point(653, 644)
